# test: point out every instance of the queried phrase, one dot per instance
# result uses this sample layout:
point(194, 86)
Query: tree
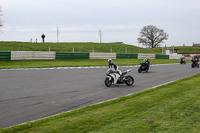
point(151, 36)
point(100, 35)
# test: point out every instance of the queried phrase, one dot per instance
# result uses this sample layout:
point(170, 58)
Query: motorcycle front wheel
point(129, 80)
point(140, 69)
point(108, 82)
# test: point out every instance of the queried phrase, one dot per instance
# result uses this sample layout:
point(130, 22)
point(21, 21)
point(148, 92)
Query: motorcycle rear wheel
point(192, 65)
point(108, 82)
point(129, 80)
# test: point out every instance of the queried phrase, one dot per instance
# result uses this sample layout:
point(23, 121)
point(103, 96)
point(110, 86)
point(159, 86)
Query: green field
point(88, 47)
point(171, 108)
point(77, 63)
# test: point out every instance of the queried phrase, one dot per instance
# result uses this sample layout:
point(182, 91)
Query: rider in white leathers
point(115, 69)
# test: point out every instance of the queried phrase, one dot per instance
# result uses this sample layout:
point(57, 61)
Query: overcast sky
point(119, 20)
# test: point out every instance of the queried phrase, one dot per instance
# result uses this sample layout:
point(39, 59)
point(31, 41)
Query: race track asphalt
point(27, 95)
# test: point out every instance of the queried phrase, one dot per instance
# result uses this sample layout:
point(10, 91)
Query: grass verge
point(76, 63)
point(173, 108)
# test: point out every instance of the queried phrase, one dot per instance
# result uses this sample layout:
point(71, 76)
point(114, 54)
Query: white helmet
point(110, 61)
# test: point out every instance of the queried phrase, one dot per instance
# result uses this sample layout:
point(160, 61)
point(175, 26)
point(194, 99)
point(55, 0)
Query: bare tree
point(151, 36)
point(100, 35)
point(1, 22)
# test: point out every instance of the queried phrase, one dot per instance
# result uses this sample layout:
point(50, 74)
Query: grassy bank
point(88, 47)
point(169, 108)
point(188, 50)
point(68, 47)
point(76, 63)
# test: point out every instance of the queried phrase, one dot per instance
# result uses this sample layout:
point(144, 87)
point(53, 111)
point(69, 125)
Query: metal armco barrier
point(43, 55)
point(102, 55)
point(32, 55)
point(5, 55)
point(127, 56)
point(69, 55)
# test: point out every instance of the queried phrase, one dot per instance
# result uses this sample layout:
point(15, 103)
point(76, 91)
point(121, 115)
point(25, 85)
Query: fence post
point(111, 49)
point(93, 49)
point(49, 49)
point(73, 49)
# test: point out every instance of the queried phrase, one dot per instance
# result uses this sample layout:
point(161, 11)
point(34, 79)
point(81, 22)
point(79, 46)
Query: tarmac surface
point(31, 94)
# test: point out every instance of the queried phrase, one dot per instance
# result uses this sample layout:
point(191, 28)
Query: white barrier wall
point(188, 58)
point(178, 56)
point(102, 55)
point(175, 56)
point(32, 55)
point(150, 56)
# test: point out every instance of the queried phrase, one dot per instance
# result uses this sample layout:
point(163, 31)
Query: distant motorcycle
point(194, 63)
point(182, 61)
point(143, 67)
point(117, 78)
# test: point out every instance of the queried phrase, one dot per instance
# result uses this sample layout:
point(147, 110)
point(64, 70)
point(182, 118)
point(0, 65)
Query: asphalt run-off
point(31, 94)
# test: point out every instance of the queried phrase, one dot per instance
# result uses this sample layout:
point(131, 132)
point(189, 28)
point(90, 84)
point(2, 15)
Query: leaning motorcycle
point(182, 61)
point(194, 63)
point(143, 67)
point(114, 77)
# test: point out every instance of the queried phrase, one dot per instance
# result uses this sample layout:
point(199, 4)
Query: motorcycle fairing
point(115, 76)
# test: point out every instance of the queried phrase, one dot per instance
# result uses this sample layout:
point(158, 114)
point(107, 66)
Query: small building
point(171, 51)
point(196, 45)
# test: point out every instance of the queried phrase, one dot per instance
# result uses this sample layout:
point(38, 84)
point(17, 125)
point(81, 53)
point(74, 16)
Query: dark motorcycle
point(182, 61)
point(117, 78)
point(143, 67)
point(194, 63)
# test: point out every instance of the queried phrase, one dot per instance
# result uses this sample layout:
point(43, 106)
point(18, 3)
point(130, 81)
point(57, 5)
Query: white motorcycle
point(114, 77)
